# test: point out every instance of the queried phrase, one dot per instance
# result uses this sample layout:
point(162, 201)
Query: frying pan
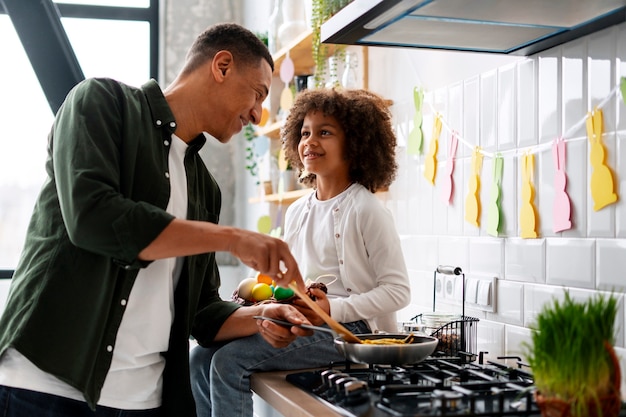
point(421, 347)
point(396, 354)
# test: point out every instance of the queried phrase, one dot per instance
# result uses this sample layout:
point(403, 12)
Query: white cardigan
point(371, 262)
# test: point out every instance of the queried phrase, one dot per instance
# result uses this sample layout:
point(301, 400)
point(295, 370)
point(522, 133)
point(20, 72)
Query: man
point(118, 267)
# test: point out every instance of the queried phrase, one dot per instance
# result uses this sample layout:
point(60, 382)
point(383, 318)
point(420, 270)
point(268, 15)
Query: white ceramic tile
point(420, 252)
point(525, 260)
point(570, 262)
point(620, 71)
point(507, 106)
point(548, 96)
point(577, 185)
point(509, 196)
point(620, 167)
point(601, 223)
point(439, 208)
point(488, 110)
point(573, 88)
point(421, 289)
point(471, 106)
point(536, 297)
point(611, 264)
point(455, 112)
point(453, 251)
point(509, 303)
point(602, 47)
point(490, 339)
point(526, 103)
point(486, 256)
point(514, 339)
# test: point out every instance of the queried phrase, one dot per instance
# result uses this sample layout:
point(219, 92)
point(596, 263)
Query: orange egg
point(265, 279)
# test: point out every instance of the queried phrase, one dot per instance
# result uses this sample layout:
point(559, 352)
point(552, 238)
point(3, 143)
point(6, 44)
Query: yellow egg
point(261, 292)
point(245, 288)
point(265, 279)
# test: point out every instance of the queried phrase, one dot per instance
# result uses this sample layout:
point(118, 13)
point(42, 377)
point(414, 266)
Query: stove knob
point(326, 374)
point(355, 392)
point(332, 381)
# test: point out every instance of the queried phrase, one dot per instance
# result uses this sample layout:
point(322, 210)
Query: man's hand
point(269, 256)
point(277, 335)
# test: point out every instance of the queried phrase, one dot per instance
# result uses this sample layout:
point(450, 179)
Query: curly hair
point(241, 42)
point(370, 142)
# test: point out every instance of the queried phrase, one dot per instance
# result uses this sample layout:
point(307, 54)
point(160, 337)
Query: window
point(110, 38)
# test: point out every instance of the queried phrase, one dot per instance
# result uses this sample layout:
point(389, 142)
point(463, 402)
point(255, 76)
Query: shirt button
point(158, 123)
point(172, 124)
point(109, 348)
point(349, 289)
point(337, 235)
point(340, 261)
point(166, 142)
point(336, 209)
point(126, 267)
point(167, 175)
point(123, 302)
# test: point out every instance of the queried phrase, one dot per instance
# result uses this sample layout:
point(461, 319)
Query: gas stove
point(437, 386)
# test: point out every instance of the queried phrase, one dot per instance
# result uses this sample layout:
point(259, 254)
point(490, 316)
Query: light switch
point(483, 296)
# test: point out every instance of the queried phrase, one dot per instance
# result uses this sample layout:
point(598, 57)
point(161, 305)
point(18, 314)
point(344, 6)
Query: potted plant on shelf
point(571, 355)
point(322, 10)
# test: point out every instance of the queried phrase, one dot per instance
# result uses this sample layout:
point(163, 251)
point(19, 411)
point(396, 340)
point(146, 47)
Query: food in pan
point(389, 341)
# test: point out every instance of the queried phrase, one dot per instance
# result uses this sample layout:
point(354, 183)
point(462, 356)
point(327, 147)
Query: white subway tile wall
point(518, 108)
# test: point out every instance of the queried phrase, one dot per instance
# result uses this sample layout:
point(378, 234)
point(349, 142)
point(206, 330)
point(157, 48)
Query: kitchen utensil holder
point(458, 335)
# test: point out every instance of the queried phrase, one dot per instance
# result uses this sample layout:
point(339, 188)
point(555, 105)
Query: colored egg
point(265, 279)
point(261, 292)
point(281, 293)
point(245, 288)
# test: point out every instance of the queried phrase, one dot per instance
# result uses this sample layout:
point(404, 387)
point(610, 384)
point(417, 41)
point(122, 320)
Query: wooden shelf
point(287, 197)
point(301, 53)
point(272, 131)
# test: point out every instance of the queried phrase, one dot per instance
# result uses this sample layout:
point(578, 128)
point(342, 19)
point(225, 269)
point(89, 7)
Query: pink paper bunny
point(562, 205)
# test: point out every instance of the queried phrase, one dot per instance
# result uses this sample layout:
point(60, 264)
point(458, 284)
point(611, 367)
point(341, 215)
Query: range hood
point(517, 27)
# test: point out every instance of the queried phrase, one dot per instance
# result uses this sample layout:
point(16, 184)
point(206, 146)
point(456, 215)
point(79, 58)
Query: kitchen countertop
point(287, 398)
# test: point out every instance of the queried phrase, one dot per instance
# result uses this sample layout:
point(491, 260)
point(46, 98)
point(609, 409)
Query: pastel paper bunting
point(494, 214)
point(447, 190)
point(416, 136)
point(528, 212)
point(602, 187)
point(562, 209)
point(472, 202)
point(430, 164)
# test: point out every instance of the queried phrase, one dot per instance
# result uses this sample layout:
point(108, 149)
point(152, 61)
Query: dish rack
point(456, 334)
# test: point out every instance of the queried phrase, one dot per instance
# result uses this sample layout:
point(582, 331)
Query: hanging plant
point(252, 157)
point(322, 10)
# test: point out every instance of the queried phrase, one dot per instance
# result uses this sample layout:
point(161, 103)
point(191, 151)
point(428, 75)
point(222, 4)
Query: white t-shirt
point(135, 378)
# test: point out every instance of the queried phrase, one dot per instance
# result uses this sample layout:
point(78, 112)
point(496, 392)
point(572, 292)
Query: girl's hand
point(321, 300)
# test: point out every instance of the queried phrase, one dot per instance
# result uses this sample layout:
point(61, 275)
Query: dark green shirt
point(103, 201)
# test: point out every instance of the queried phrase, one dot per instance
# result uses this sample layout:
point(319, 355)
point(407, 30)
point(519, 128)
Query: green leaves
point(568, 356)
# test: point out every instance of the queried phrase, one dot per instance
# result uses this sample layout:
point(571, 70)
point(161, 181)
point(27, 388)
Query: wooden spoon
point(347, 335)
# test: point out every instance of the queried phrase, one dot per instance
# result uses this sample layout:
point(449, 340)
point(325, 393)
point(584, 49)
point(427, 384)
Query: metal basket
point(457, 336)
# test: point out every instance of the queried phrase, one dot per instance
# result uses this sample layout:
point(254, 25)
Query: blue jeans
point(220, 375)
point(16, 402)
